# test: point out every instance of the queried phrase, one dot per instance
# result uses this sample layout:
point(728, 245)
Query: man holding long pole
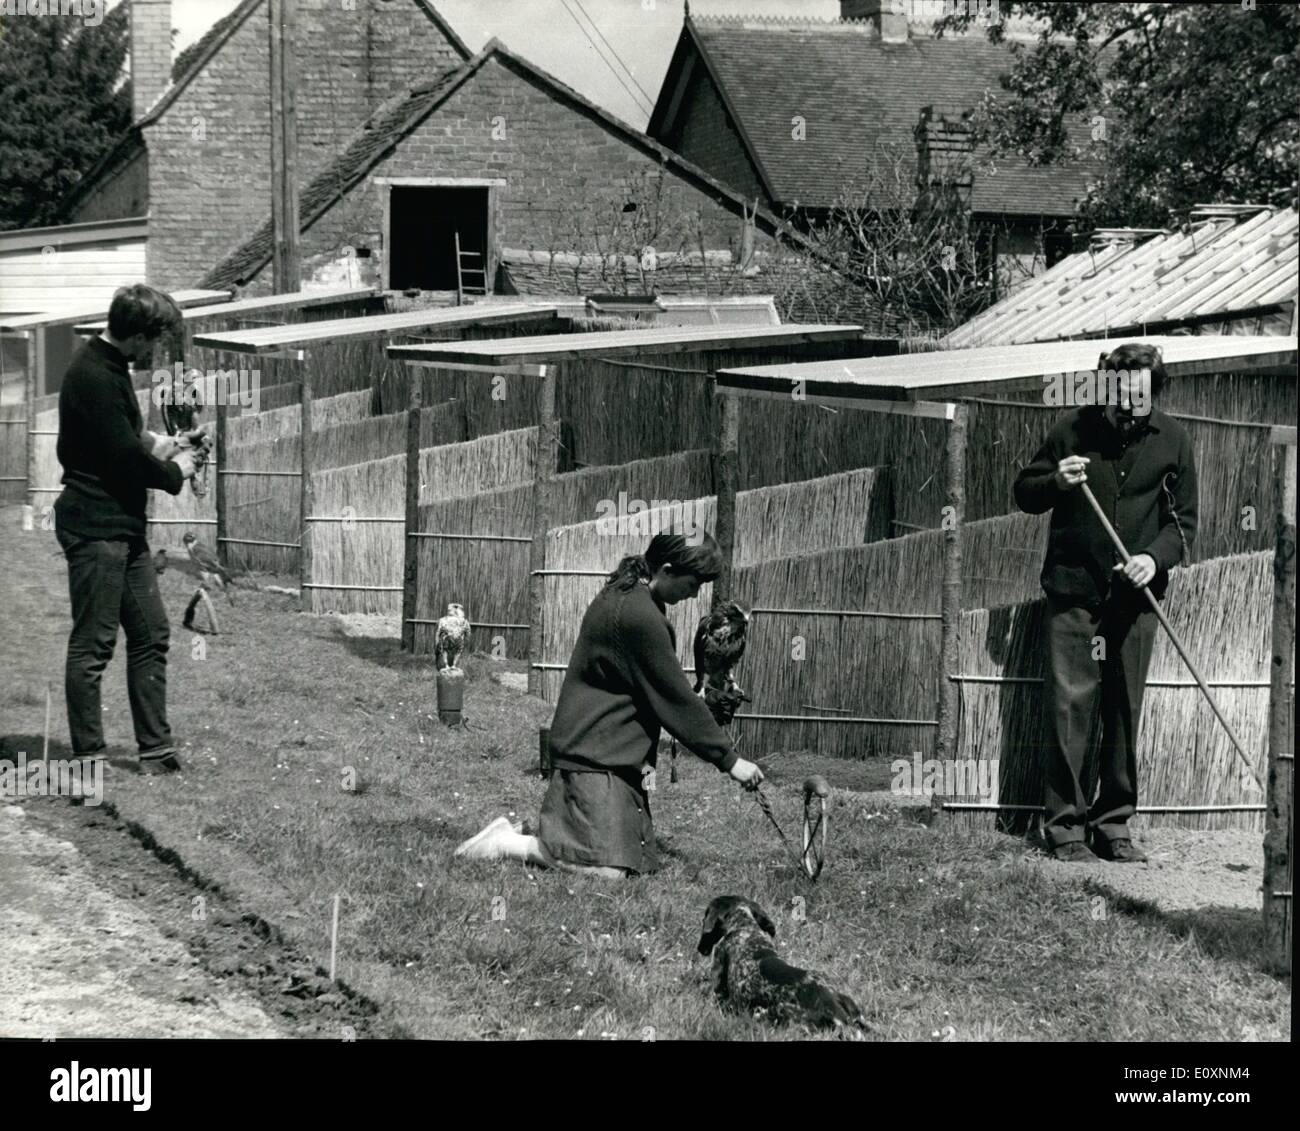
point(1137, 465)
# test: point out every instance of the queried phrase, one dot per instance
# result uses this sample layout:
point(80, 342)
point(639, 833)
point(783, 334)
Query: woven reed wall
point(276, 423)
point(770, 521)
point(824, 666)
point(490, 578)
point(372, 553)
point(1222, 611)
point(13, 453)
point(1233, 467)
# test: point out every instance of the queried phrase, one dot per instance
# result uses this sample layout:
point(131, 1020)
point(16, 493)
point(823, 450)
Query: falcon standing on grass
point(452, 638)
point(211, 572)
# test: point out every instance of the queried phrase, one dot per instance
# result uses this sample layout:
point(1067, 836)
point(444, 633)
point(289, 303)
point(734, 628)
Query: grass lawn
point(940, 934)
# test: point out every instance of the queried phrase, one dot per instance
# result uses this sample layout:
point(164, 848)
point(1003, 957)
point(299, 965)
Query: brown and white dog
point(749, 975)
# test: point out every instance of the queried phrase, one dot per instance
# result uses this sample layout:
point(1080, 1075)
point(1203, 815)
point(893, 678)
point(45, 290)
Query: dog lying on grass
point(749, 975)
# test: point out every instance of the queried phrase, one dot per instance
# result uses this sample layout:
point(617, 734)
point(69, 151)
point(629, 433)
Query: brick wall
point(707, 136)
point(151, 52)
point(209, 167)
point(567, 177)
point(119, 194)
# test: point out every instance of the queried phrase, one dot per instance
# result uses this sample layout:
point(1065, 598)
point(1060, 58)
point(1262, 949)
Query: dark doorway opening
point(423, 224)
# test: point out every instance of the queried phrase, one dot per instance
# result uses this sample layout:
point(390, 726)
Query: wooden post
point(30, 393)
point(307, 496)
point(284, 148)
point(1279, 835)
point(411, 549)
point(950, 594)
point(223, 414)
point(726, 474)
point(544, 473)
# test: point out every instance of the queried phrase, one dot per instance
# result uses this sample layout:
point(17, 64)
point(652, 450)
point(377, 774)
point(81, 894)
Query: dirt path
point(82, 961)
point(103, 938)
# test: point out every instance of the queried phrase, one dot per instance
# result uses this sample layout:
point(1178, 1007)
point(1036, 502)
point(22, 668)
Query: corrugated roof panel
point(1218, 266)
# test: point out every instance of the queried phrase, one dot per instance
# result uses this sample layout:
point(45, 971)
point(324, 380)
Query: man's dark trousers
point(1074, 681)
point(112, 582)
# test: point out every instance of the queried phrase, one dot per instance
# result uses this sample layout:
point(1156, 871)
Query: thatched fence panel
point(831, 511)
point(1222, 612)
point(369, 555)
point(490, 577)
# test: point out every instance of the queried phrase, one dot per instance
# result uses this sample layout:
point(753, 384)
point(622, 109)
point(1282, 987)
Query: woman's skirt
point(600, 818)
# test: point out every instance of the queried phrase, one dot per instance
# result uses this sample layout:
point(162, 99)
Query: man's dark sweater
point(623, 682)
point(1146, 487)
point(107, 465)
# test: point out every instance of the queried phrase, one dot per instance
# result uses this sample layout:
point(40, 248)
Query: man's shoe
point(1074, 852)
point(166, 763)
point(1119, 851)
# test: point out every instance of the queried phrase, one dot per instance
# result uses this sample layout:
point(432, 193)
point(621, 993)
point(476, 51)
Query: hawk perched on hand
point(211, 571)
point(719, 645)
point(452, 638)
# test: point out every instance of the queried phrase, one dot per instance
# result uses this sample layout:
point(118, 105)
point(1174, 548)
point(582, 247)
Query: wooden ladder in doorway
point(469, 267)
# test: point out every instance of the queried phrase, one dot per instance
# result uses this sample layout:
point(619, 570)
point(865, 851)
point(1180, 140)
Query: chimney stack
point(944, 152)
point(151, 53)
point(888, 17)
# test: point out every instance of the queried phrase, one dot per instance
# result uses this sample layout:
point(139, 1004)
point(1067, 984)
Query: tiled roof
point(403, 113)
point(854, 91)
point(390, 123)
point(1206, 271)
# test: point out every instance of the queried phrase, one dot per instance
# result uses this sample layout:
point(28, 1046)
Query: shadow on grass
point(1218, 932)
point(29, 745)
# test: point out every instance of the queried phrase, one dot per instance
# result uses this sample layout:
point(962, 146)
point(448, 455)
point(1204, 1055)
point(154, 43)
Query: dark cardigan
point(107, 466)
point(623, 683)
point(1147, 488)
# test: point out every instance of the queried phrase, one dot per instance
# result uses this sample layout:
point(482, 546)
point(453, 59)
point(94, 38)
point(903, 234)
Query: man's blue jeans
point(112, 583)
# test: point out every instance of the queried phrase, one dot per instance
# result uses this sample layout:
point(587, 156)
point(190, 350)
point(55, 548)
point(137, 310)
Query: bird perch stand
point(815, 793)
point(451, 696)
point(201, 597)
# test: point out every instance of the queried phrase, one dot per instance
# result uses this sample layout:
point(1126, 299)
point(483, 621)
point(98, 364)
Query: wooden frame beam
point(548, 446)
point(1279, 815)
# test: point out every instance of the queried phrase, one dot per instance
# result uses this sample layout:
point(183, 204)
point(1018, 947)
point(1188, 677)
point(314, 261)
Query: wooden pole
point(1279, 830)
point(544, 473)
point(726, 474)
point(284, 148)
point(950, 593)
point(1173, 636)
point(334, 939)
point(411, 548)
point(30, 394)
point(306, 495)
point(220, 488)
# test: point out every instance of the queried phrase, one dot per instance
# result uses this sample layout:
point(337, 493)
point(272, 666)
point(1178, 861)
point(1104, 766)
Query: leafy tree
point(62, 110)
point(1184, 103)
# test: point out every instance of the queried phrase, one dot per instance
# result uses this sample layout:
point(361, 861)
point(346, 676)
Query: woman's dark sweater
point(107, 466)
point(624, 682)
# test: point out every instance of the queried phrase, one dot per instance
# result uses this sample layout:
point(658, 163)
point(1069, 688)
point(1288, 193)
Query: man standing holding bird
point(109, 462)
point(1099, 627)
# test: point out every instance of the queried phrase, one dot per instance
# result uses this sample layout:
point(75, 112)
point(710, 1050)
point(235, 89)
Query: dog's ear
point(711, 931)
point(761, 918)
point(715, 920)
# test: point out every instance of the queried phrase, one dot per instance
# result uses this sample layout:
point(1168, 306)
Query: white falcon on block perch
point(452, 638)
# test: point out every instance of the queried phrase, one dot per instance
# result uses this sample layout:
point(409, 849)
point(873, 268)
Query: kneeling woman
point(623, 683)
